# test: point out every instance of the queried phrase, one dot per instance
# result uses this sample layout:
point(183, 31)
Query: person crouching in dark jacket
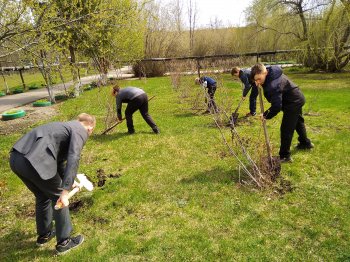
point(136, 99)
point(244, 76)
point(283, 95)
point(210, 84)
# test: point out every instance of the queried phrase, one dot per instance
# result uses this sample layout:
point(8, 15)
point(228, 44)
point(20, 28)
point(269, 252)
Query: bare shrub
point(149, 68)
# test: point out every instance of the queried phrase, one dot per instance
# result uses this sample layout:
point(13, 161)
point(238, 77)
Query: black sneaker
point(130, 132)
point(250, 114)
point(69, 244)
point(156, 130)
point(43, 239)
point(305, 146)
point(286, 159)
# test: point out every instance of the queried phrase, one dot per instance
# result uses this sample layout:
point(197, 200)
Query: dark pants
point(252, 99)
point(46, 194)
point(292, 120)
point(138, 103)
point(211, 103)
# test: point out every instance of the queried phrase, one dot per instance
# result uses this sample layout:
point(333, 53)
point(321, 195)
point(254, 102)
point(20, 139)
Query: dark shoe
point(156, 130)
point(42, 240)
point(69, 244)
point(305, 146)
point(250, 114)
point(286, 159)
point(131, 132)
point(206, 112)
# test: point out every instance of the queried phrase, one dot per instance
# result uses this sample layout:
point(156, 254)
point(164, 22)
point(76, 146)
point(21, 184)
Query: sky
point(230, 12)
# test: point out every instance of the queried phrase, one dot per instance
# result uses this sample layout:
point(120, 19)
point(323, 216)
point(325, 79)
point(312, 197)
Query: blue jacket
point(210, 81)
point(244, 76)
point(281, 92)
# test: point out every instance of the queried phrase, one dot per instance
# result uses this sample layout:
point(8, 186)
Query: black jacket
point(281, 92)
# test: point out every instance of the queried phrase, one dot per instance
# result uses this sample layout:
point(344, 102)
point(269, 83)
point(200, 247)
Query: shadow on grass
point(216, 175)
point(19, 245)
point(108, 137)
point(116, 136)
point(184, 115)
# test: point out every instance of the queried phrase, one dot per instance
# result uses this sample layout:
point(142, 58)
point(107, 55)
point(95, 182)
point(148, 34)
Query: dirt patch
point(270, 170)
point(102, 177)
point(100, 220)
point(33, 116)
point(25, 210)
point(76, 205)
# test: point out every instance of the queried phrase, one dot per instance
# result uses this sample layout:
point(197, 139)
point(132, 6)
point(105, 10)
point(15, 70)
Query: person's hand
point(119, 118)
point(76, 184)
point(243, 97)
point(63, 199)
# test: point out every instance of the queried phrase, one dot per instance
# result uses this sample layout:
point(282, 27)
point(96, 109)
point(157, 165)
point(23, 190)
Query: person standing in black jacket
point(283, 95)
point(244, 76)
point(136, 99)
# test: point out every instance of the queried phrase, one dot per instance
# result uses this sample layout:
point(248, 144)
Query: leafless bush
point(149, 68)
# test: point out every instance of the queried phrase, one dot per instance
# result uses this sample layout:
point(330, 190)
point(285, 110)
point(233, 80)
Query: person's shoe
point(206, 112)
point(156, 130)
point(69, 244)
point(305, 146)
point(286, 159)
point(250, 114)
point(130, 132)
point(43, 239)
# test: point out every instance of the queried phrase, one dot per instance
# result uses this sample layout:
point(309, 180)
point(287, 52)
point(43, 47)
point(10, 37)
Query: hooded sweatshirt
point(281, 92)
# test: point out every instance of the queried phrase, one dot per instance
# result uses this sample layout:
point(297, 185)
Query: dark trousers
point(211, 103)
point(292, 120)
point(46, 193)
point(138, 103)
point(252, 99)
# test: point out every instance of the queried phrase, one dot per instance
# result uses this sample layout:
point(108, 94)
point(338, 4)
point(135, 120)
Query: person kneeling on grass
point(283, 95)
point(46, 159)
point(136, 99)
point(210, 84)
point(244, 76)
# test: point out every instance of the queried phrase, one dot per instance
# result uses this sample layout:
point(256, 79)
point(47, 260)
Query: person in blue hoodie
point(283, 95)
point(210, 84)
point(244, 76)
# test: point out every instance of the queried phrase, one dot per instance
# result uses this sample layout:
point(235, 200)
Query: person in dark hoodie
point(210, 84)
point(283, 95)
point(136, 99)
point(244, 76)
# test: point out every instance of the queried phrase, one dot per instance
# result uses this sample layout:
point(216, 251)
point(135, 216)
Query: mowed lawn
point(177, 196)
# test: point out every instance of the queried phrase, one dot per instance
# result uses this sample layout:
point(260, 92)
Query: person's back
point(128, 93)
point(63, 140)
point(280, 91)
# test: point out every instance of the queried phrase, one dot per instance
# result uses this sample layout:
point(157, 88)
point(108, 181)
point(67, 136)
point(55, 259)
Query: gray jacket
point(54, 148)
point(125, 95)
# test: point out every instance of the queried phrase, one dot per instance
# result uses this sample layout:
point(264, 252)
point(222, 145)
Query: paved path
point(12, 101)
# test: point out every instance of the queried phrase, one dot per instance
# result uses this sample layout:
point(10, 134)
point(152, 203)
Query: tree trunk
point(74, 71)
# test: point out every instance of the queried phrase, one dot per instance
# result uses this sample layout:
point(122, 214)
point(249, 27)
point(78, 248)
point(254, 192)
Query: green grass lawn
point(179, 198)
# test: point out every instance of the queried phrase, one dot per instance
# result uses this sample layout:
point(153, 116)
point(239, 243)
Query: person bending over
point(283, 95)
point(47, 159)
point(136, 99)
